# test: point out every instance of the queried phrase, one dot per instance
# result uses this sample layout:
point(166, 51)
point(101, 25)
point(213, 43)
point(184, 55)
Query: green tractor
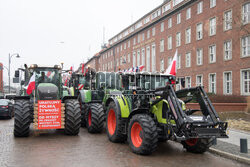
point(48, 87)
point(148, 110)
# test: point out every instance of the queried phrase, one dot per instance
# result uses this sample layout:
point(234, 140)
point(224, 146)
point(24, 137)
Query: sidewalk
point(230, 147)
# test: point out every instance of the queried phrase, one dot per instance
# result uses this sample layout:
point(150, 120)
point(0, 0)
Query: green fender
point(157, 111)
point(85, 96)
point(121, 103)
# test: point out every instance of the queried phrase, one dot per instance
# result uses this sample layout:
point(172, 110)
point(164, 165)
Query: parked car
point(6, 108)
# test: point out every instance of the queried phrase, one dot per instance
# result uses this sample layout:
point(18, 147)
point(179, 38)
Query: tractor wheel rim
point(136, 134)
point(111, 122)
point(89, 118)
point(191, 142)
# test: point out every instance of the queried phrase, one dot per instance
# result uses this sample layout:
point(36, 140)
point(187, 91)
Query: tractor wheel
point(72, 117)
point(22, 118)
point(197, 145)
point(94, 118)
point(142, 134)
point(83, 109)
point(114, 124)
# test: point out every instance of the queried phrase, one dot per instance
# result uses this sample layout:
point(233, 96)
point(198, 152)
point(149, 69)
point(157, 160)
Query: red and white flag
point(32, 84)
point(141, 67)
point(172, 68)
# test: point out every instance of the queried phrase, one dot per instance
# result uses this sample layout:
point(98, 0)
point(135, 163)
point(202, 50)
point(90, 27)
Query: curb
point(230, 156)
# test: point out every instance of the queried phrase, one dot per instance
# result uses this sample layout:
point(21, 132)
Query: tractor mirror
point(17, 73)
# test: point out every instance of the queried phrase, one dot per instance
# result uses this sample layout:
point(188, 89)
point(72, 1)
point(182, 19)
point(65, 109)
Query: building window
point(162, 65)
point(128, 44)
point(169, 22)
point(117, 49)
point(178, 39)
point(148, 34)
point(138, 58)
point(162, 26)
point(245, 83)
point(188, 13)
point(162, 45)
point(134, 41)
point(245, 46)
point(153, 31)
point(227, 83)
point(179, 61)
point(178, 18)
point(143, 37)
point(188, 35)
point(188, 59)
point(199, 80)
point(200, 7)
point(228, 50)
point(228, 20)
point(212, 83)
point(121, 49)
point(134, 59)
point(169, 42)
point(148, 58)
point(169, 61)
point(153, 58)
point(139, 38)
point(121, 62)
point(199, 31)
point(199, 56)
point(128, 58)
point(246, 13)
point(143, 56)
point(212, 53)
point(125, 45)
point(212, 26)
point(212, 3)
point(188, 82)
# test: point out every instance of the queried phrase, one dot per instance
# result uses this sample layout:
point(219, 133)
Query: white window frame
point(153, 57)
point(242, 80)
point(148, 34)
point(212, 26)
point(153, 31)
point(188, 60)
point(229, 50)
point(197, 57)
point(162, 26)
point(148, 58)
point(199, 31)
point(245, 45)
point(170, 22)
point(128, 57)
point(188, 13)
point(170, 42)
point(162, 45)
point(129, 44)
point(188, 85)
point(178, 19)
point(225, 82)
point(178, 61)
point(188, 35)
point(212, 3)
point(138, 57)
point(169, 61)
point(245, 13)
point(200, 7)
point(143, 56)
point(210, 54)
point(199, 84)
point(178, 39)
point(134, 58)
point(212, 82)
point(228, 20)
point(162, 65)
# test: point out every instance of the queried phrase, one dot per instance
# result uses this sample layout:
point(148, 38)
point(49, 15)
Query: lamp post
point(10, 56)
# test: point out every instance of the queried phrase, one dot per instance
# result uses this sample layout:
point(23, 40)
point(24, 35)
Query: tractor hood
point(47, 91)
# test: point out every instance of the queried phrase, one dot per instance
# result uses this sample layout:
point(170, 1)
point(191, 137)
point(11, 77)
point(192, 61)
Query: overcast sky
point(69, 31)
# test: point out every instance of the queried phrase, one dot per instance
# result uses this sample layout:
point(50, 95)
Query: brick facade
point(148, 37)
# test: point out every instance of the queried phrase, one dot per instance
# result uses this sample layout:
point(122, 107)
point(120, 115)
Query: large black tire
point(197, 145)
point(114, 124)
point(142, 134)
point(94, 118)
point(22, 118)
point(72, 117)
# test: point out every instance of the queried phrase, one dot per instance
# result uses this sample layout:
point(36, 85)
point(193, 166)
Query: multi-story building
point(1, 78)
point(212, 38)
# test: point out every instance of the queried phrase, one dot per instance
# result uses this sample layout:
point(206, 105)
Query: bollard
point(243, 145)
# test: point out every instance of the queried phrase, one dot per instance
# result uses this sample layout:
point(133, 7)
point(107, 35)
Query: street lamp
point(10, 56)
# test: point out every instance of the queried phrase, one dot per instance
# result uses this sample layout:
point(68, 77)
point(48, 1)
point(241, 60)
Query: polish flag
point(141, 67)
point(172, 68)
point(82, 68)
point(32, 84)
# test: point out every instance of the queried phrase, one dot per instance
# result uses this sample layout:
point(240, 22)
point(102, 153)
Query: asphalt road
point(53, 148)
